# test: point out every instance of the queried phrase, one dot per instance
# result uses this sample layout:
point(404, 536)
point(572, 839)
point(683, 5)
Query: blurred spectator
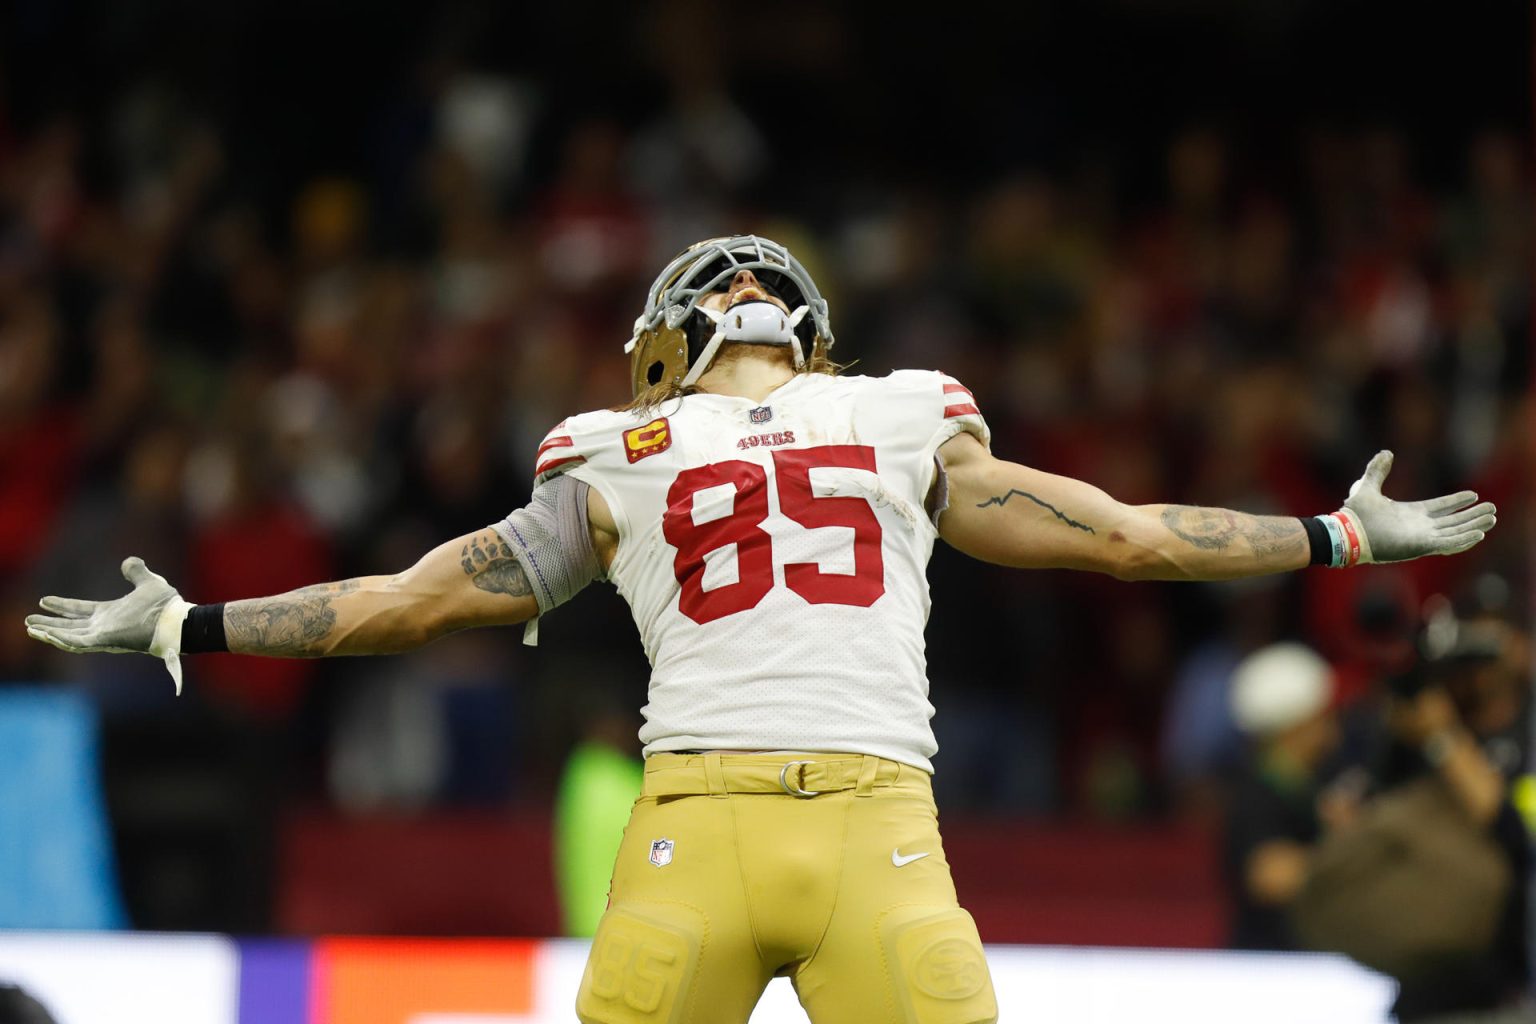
point(242, 519)
point(1282, 699)
point(599, 784)
point(592, 232)
point(39, 434)
point(701, 152)
point(1201, 742)
point(427, 728)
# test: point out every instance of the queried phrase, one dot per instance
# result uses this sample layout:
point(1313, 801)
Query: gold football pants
point(824, 868)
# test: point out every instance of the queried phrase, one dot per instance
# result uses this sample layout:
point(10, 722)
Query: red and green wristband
point(1335, 540)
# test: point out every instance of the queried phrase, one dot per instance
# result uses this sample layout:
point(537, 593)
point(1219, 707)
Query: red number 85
point(754, 546)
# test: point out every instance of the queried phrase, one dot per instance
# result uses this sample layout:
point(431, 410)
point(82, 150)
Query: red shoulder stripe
point(957, 395)
point(545, 467)
point(554, 442)
point(951, 411)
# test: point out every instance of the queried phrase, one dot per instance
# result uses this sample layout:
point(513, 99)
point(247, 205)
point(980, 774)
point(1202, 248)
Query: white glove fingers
point(68, 629)
point(76, 641)
point(53, 622)
point(1467, 515)
point(1459, 542)
point(1448, 503)
point(1482, 524)
point(56, 638)
point(68, 606)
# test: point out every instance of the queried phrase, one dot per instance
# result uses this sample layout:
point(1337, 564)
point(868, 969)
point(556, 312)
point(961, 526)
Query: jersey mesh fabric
point(550, 540)
point(825, 652)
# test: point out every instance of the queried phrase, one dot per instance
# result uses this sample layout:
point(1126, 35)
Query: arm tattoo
point(1277, 535)
point(291, 625)
point(1213, 529)
point(1210, 529)
point(488, 562)
point(1003, 500)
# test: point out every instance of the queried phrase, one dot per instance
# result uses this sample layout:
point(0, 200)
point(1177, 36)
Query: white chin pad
point(759, 322)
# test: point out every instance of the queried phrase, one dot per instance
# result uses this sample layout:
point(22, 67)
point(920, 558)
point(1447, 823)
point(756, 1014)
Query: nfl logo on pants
point(661, 852)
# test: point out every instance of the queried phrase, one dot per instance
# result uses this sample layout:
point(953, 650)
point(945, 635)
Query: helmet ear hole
point(654, 371)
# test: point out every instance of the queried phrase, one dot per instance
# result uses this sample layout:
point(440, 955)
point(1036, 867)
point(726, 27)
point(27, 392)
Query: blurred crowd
point(257, 394)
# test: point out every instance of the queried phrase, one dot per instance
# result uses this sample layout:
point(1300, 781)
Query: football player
point(769, 522)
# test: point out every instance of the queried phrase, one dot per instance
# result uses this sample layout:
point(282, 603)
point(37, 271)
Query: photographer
point(1429, 884)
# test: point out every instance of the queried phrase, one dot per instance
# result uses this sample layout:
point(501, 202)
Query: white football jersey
point(774, 555)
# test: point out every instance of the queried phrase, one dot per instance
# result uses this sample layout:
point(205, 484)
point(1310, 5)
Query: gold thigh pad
point(941, 972)
point(641, 964)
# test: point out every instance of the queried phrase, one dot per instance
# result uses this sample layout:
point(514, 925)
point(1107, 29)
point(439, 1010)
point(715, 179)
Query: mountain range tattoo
point(1003, 500)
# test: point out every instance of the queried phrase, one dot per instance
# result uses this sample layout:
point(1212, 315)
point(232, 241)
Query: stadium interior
point(293, 296)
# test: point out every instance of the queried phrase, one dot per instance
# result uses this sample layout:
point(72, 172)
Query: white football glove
point(146, 620)
point(1396, 531)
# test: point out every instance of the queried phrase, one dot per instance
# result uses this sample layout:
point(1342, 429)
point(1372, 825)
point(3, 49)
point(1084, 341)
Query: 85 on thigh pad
point(641, 965)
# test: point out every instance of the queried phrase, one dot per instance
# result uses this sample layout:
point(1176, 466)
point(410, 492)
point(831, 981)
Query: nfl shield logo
point(762, 414)
point(661, 852)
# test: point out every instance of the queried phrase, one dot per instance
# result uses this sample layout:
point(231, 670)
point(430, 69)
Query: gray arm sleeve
point(938, 496)
point(550, 540)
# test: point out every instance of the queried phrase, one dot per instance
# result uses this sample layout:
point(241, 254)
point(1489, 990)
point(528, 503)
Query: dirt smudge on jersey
point(873, 489)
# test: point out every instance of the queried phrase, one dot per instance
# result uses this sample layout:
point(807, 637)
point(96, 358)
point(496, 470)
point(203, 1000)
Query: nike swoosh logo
point(900, 861)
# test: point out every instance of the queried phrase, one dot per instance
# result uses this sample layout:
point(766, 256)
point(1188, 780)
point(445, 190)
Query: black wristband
point(202, 631)
point(1317, 536)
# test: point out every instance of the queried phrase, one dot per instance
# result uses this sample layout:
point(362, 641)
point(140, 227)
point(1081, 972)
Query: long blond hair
point(667, 390)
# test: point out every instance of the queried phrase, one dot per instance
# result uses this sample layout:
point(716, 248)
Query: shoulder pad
point(557, 452)
point(958, 400)
point(573, 441)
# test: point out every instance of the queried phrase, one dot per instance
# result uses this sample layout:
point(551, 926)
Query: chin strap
point(756, 323)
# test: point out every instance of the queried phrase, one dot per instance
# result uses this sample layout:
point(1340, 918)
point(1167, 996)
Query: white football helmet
point(675, 339)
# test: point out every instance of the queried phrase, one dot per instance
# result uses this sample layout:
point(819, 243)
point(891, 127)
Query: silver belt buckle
point(795, 789)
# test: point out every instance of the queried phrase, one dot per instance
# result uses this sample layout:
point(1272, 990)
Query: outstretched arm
point(566, 537)
point(1010, 514)
point(471, 581)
